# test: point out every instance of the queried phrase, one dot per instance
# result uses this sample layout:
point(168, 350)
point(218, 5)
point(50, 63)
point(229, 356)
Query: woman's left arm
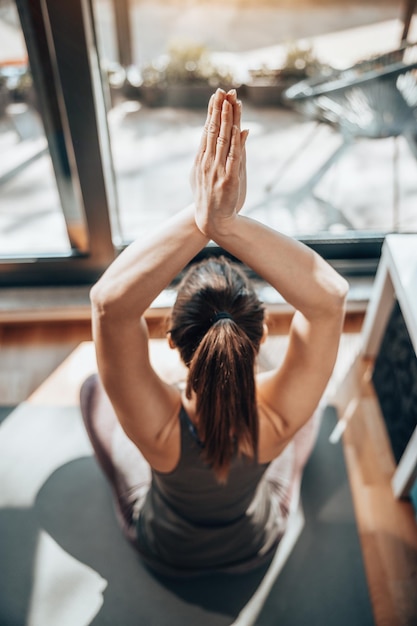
point(144, 404)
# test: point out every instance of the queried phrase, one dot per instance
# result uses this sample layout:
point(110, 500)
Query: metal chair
point(374, 99)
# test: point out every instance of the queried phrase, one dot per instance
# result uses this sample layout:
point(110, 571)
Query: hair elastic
point(221, 315)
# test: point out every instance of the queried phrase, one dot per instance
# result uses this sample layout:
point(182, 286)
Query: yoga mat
point(64, 560)
point(323, 581)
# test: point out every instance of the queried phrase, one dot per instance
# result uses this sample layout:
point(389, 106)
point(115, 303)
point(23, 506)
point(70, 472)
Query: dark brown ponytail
point(217, 325)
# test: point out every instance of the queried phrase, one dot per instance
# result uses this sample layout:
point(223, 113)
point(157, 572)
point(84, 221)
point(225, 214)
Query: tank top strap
point(187, 426)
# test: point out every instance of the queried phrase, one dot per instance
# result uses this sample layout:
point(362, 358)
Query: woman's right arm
point(301, 276)
point(318, 294)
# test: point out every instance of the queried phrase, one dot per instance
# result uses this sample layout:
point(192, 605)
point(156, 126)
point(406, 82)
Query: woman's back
point(189, 521)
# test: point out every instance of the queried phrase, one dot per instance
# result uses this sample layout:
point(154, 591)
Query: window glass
point(31, 218)
point(313, 174)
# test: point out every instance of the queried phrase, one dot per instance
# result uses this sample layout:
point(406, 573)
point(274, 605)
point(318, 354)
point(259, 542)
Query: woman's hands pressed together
point(219, 174)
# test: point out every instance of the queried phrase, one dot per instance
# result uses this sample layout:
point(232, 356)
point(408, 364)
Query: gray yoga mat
point(323, 581)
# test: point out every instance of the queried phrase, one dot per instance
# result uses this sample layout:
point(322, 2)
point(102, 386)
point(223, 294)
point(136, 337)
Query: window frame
point(67, 80)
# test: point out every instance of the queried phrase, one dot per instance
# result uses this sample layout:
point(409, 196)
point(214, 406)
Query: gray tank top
point(189, 523)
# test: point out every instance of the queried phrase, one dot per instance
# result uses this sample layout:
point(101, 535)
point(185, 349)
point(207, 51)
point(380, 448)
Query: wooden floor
point(29, 353)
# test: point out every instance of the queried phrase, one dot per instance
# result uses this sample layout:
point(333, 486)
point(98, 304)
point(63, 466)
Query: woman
point(208, 481)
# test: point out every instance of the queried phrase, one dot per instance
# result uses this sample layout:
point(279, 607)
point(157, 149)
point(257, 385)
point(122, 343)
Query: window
point(68, 110)
point(339, 194)
point(111, 137)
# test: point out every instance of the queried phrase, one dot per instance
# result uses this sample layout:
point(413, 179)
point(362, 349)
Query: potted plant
point(184, 77)
point(114, 80)
point(24, 90)
point(267, 84)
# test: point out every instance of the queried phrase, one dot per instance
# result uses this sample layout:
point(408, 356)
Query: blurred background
point(102, 104)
